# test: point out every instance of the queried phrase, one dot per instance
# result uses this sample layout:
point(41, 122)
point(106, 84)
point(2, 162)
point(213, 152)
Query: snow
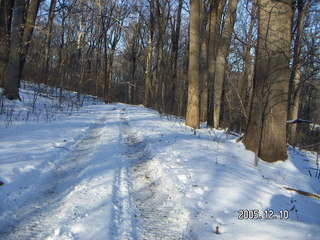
point(117, 171)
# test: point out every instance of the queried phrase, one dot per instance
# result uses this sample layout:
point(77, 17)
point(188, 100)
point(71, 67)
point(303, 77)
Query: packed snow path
point(144, 206)
point(144, 193)
point(33, 220)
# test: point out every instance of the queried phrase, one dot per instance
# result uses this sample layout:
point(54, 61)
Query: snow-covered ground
point(116, 171)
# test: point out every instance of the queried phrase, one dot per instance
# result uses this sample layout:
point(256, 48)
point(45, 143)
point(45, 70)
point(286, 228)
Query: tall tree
point(215, 17)
point(148, 97)
point(162, 17)
point(221, 61)
point(246, 79)
point(204, 73)
point(31, 15)
point(13, 74)
point(295, 74)
point(192, 118)
point(48, 31)
point(171, 93)
point(266, 130)
point(5, 28)
point(22, 29)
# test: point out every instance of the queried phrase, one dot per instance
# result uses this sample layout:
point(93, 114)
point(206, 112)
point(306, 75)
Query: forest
point(251, 67)
point(159, 119)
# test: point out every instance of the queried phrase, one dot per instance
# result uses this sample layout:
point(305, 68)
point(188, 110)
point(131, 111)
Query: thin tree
point(215, 17)
point(192, 118)
point(204, 73)
point(148, 97)
point(295, 75)
point(221, 60)
point(266, 131)
point(29, 24)
point(175, 50)
point(48, 32)
point(246, 79)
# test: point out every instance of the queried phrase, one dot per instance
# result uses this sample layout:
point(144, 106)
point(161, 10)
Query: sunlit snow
point(117, 171)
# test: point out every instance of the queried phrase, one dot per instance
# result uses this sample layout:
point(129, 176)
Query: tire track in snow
point(159, 214)
point(35, 220)
point(123, 221)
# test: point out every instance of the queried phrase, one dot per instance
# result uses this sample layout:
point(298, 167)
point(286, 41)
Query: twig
point(62, 148)
point(307, 194)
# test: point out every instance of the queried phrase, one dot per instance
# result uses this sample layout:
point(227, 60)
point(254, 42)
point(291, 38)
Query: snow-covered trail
point(123, 172)
point(35, 219)
point(110, 163)
point(147, 207)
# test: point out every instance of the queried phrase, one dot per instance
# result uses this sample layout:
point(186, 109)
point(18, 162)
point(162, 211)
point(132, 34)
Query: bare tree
point(204, 73)
point(215, 17)
point(295, 74)
point(221, 61)
point(5, 29)
point(13, 74)
point(192, 118)
point(31, 14)
point(246, 79)
point(149, 95)
point(22, 29)
point(266, 131)
point(48, 37)
point(171, 92)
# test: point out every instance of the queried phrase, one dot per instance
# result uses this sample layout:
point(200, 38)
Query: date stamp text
point(248, 214)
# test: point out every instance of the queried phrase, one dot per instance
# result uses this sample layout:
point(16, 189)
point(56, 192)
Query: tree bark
point(192, 118)
point(175, 50)
point(266, 131)
point(204, 63)
point(48, 37)
point(247, 71)
point(13, 74)
point(215, 14)
point(32, 12)
point(5, 27)
point(295, 76)
point(160, 81)
point(221, 60)
point(148, 82)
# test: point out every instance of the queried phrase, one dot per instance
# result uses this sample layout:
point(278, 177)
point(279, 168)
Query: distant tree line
point(243, 65)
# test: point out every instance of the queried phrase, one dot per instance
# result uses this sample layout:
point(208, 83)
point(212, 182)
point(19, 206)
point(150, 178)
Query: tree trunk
point(161, 18)
point(266, 131)
point(48, 37)
point(148, 97)
point(221, 60)
point(175, 50)
point(13, 74)
point(216, 10)
point(192, 118)
point(247, 72)
point(295, 76)
point(5, 26)
point(204, 64)
point(32, 12)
